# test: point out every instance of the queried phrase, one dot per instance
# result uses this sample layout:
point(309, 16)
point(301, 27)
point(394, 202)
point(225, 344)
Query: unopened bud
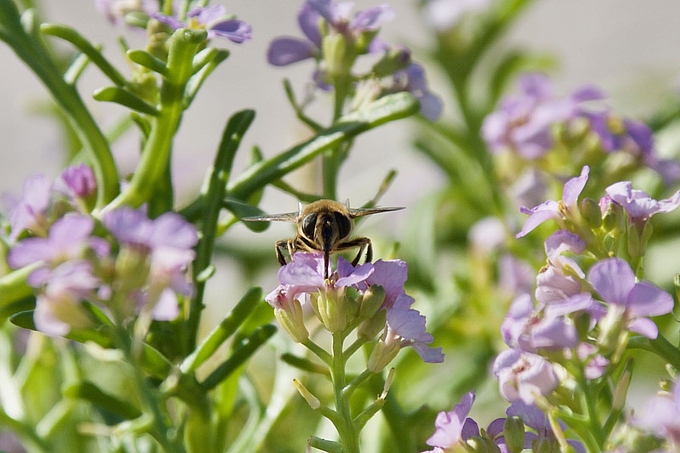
point(478, 445)
point(330, 308)
point(613, 219)
point(394, 60)
point(590, 210)
point(291, 320)
point(381, 356)
point(338, 55)
point(373, 325)
point(371, 301)
point(312, 400)
point(513, 431)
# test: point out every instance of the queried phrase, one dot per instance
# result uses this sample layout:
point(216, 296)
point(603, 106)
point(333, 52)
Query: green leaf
point(208, 55)
point(223, 331)
point(241, 209)
point(125, 98)
point(239, 356)
point(90, 392)
point(389, 108)
point(144, 58)
point(72, 36)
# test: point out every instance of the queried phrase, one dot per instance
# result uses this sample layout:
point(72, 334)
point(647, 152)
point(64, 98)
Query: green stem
point(349, 437)
point(183, 45)
point(595, 428)
point(660, 346)
point(34, 54)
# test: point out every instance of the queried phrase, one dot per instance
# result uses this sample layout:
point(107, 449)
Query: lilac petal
point(573, 304)
point(372, 18)
point(613, 279)
point(172, 230)
point(538, 215)
point(28, 251)
point(496, 427)
point(358, 275)
point(391, 275)
point(588, 93)
point(428, 354)
point(431, 106)
point(564, 241)
point(470, 429)
point(235, 30)
point(536, 84)
point(574, 187)
point(171, 21)
point(327, 9)
point(207, 14)
point(284, 51)
point(308, 19)
point(71, 229)
point(555, 333)
point(128, 225)
point(166, 308)
point(646, 299)
point(645, 327)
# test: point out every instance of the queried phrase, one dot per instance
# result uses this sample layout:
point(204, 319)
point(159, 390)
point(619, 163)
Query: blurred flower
point(445, 14)
point(454, 427)
point(412, 80)
point(661, 415)
point(59, 306)
point(214, 19)
point(524, 376)
point(68, 239)
point(30, 212)
point(286, 50)
point(631, 302)
point(558, 211)
point(115, 10)
point(524, 122)
point(535, 419)
point(77, 181)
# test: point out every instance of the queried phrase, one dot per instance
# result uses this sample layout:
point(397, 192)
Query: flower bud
point(513, 431)
point(381, 355)
point(611, 327)
point(373, 325)
point(395, 59)
point(338, 56)
point(371, 301)
point(590, 210)
point(331, 308)
point(312, 400)
point(291, 320)
point(613, 218)
point(478, 445)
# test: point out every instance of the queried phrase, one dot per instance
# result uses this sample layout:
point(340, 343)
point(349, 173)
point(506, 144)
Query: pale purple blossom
point(524, 376)
point(535, 419)
point(214, 19)
point(639, 206)
point(524, 122)
point(30, 213)
point(286, 50)
point(455, 427)
point(116, 10)
point(77, 182)
point(634, 302)
point(391, 275)
point(59, 306)
point(661, 416)
point(445, 14)
point(68, 238)
point(412, 80)
point(557, 210)
point(406, 327)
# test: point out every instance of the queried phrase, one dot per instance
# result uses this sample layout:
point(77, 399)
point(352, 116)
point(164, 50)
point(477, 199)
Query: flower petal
point(647, 299)
point(284, 51)
point(613, 279)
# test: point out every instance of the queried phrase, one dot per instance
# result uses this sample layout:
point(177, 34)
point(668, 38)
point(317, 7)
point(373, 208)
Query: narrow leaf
point(124, 98)
point(241, 209)
point(90, 392)
point(144, 58)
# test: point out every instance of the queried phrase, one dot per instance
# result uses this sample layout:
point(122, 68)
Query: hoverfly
point(323, 226)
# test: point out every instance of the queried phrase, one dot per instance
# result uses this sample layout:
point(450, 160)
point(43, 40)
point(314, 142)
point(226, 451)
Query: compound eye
point(308, 225)
point(344, 225)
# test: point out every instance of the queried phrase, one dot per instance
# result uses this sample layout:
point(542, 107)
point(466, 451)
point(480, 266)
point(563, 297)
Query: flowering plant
point(536, 262)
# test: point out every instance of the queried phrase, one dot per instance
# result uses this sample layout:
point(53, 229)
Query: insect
point(324, 226)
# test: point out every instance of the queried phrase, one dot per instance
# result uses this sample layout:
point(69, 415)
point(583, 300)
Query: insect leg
point(279, 255)
point(364, 244)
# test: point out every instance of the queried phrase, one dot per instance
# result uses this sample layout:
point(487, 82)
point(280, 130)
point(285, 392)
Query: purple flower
point(391, 275)
point(30, 212)
point(412, 80)
point(662, 415)
point(59, 307)
point(529, 330)
point(68, 238)
point(614, 281)
point(551, 209)
point(115, 10)
point(166, 243)
point(524, 376)
point(639, 206)
point(535, 419)
point(406, 327)
point(454, 427)
point(286, 50)
point(214, 19)
point(523, 123)
point(77, 182)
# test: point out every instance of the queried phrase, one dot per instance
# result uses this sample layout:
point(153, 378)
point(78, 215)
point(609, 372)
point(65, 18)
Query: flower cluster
point(136, 264)
point(335, 39)
point(369, 297)
point(538, 130)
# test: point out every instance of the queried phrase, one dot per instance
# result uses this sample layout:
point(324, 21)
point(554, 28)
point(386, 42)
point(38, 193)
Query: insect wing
point(360, 212)
point(283, 217)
